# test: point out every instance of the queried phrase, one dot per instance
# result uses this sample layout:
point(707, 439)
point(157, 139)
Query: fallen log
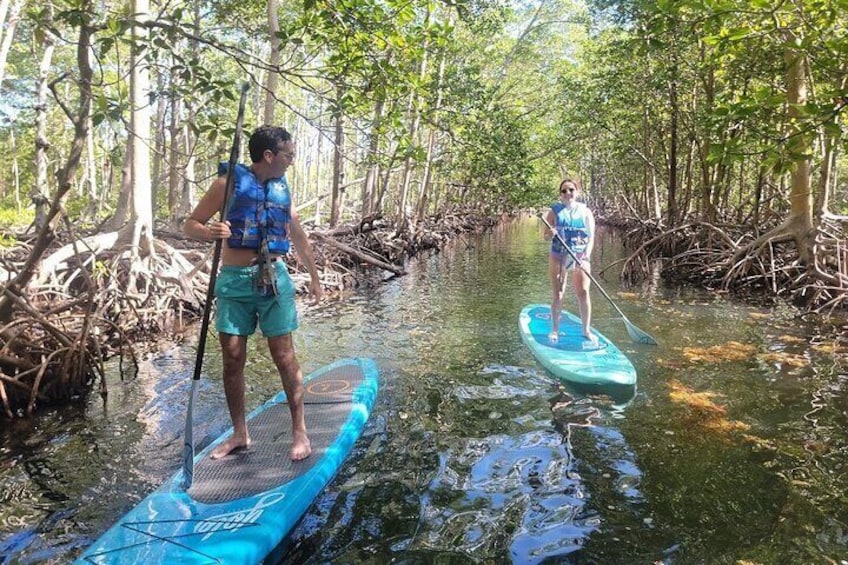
point(400, 271)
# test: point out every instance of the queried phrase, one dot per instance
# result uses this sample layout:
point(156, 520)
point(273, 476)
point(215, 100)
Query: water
point(473, 452)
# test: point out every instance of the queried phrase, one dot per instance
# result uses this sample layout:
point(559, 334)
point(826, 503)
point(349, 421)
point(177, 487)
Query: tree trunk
point(91, 173)
point(645, 167)
point(800, 147)
point(384, 185)
point(707, 210)
point(370, 183)
point(39, 192)
point(318, 170)
point(338, 158)
point(16, 171)
point(141, 219)
point(7, 35)
point(175, 157)
point(740, 193)
point(188, 197)
point(4, 9)
point(107, 167)
point(673, 211)
point(160, 139)
point(758, 199)
point(122, 207)
point(688, 177)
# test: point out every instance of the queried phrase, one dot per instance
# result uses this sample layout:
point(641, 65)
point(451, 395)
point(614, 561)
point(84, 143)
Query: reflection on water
point(522, 483)
point(474, 452)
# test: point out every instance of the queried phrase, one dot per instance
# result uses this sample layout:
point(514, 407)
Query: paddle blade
point(188, 445)
point(638, 335)
point(188, 466)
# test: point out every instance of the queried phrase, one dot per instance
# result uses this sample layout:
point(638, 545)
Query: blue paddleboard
point(572, 357)
point(241, 507)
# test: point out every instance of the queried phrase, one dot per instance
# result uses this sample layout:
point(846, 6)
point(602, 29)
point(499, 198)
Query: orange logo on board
point(328, 387)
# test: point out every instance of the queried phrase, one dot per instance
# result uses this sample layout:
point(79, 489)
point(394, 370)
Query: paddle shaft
point(216, 257)
point(642, 336)
point(188, 447)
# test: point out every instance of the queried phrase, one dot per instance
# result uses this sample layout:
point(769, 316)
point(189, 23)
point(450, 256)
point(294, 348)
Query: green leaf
point(715, 153)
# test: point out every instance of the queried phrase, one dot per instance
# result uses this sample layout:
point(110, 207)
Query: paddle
point(188, 446)
point(636, 334)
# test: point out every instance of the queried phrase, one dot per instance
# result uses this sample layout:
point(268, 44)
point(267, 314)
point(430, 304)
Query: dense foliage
point(672, 110)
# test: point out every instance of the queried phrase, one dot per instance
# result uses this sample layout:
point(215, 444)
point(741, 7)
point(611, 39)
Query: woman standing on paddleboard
point(575, 225)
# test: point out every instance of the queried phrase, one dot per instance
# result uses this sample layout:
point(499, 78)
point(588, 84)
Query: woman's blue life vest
point(572, 225)
point(258, 212)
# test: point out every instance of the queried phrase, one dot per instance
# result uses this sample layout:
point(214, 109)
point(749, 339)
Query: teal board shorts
point(240, 306)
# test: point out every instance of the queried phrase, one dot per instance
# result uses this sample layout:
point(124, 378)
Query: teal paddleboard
point(241, 507)
point(572, 357)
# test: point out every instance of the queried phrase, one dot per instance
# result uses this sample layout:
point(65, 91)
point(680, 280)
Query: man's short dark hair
point(266, 138)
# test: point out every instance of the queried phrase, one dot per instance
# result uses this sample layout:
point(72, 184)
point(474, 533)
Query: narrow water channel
point(732, 446)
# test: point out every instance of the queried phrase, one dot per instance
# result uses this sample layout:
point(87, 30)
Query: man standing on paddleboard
point(253, 284)
point(575, 225)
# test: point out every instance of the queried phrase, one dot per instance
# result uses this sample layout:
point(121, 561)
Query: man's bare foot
point(301, 448)
point(231, 444)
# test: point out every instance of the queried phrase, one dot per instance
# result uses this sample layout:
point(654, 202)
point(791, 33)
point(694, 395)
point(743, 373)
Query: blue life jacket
point(257, 211)
point(572, 224)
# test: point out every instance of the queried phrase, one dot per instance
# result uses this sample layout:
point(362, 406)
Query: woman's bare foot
point(301, 448)
point(231, 444)
point(591, 338)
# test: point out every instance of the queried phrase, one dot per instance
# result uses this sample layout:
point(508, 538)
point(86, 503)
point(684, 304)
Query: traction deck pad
point(267, 462)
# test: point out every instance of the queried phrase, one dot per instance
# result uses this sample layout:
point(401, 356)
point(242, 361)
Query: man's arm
point(198, 226)
point(304, 251)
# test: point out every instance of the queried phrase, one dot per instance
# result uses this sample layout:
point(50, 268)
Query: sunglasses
point(286, 154)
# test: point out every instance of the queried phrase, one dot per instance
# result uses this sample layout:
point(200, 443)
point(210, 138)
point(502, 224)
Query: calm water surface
point(732, 448)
